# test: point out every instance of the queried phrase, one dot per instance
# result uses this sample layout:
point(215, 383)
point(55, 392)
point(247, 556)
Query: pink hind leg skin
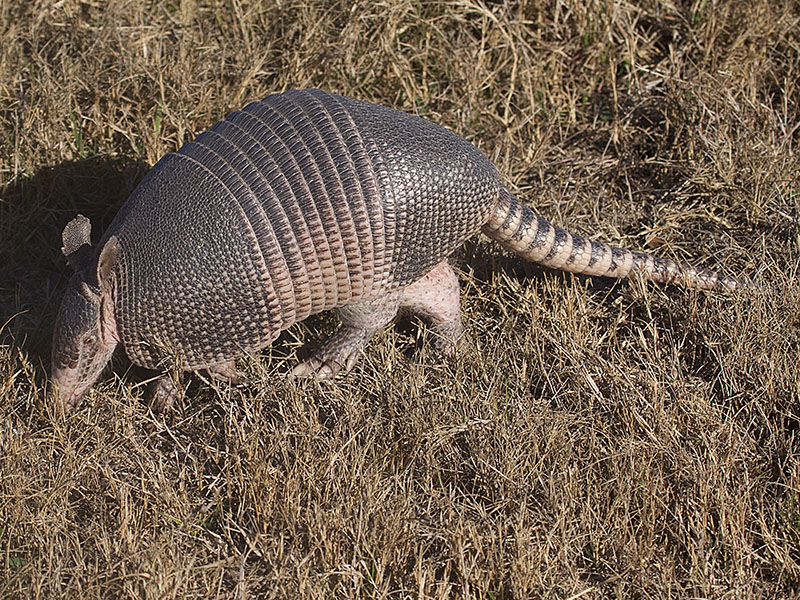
point(340, 352)
point(435, 298)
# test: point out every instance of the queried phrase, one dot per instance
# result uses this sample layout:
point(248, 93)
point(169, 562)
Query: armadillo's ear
point(77, 243)
point(106, 261)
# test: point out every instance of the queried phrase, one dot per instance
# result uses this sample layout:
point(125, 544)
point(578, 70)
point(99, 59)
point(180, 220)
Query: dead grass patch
point(595, 440)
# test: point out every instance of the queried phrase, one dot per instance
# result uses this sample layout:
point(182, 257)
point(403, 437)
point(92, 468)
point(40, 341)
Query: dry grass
point(595, 440)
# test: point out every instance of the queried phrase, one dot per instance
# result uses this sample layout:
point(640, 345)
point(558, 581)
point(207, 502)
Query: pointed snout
point(64, 391)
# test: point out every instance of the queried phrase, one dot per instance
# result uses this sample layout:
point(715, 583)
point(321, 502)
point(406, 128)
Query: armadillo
point(302, 202)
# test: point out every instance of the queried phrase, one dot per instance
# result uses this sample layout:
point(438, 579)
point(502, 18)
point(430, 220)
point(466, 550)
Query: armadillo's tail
point(519, 229)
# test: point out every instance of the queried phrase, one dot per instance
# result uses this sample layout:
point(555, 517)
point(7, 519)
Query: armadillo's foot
point(338, 353)
point(227, 371)
point(163, 394)
point(341, 351)
point(435, 298)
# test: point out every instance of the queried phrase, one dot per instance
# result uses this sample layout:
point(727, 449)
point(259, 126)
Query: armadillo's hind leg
point(435, 298)
point(340, 352)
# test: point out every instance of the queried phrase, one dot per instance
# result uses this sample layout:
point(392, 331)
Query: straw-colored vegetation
point(595, 439)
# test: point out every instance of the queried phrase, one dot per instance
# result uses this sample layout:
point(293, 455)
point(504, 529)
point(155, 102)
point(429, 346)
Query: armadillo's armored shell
point(299, 203)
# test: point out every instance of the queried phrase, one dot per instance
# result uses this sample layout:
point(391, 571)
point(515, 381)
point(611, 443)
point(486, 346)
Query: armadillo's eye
point(90, 340)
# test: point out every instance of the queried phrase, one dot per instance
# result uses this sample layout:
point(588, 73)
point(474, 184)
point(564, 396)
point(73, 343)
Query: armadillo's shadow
point(33, 211)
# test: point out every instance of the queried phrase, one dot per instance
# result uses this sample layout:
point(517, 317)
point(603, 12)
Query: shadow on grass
point(33, 211)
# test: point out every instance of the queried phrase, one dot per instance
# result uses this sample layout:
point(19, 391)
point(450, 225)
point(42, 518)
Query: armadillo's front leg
point(164, 391)
point(340, 352)
point(163, 394)
point(227, 371)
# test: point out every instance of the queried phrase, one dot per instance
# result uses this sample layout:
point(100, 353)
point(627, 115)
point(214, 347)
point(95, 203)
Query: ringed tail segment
point(517, 228)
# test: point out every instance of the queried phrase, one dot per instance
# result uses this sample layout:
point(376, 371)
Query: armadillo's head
point(85, 333)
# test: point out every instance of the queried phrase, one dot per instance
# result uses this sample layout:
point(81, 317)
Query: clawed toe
point(304, 369)
point(163, 393)
point(332, 358)
point(227, 371)
point(320, 370)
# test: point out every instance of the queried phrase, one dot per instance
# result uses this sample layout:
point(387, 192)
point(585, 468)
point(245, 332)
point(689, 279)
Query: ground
point(593, 440)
